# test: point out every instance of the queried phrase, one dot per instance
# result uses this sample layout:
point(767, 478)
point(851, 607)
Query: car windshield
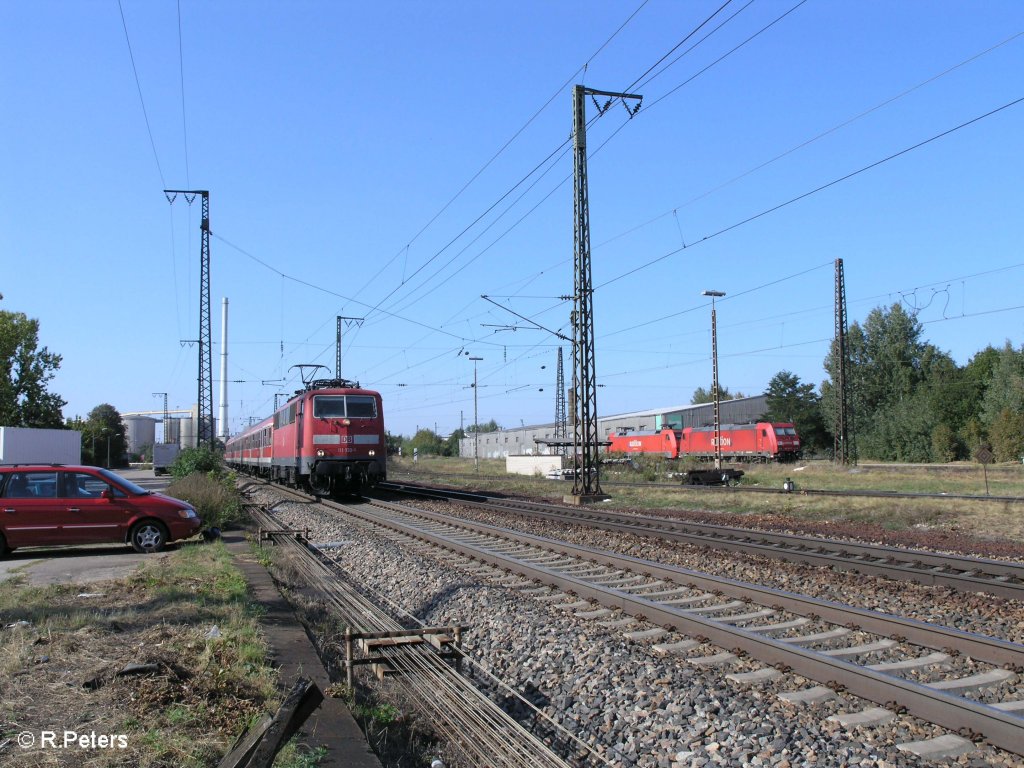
point(128, 485)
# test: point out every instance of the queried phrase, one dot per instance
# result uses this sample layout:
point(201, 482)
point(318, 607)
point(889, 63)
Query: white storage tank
point(140, 431)
point(22, 445)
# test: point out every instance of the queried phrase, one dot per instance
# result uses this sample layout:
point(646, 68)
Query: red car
point(48, 504)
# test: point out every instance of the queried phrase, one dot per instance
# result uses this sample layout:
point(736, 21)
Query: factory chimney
point(224, 431)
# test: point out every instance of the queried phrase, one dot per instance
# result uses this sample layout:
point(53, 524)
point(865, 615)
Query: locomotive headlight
point(371, 452)
point(321, 453)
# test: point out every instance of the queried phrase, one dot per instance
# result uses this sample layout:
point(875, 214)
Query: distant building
point(531, 440)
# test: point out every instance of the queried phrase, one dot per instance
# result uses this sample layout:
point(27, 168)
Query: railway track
point(472, 724)
point(967, 574)
point(785, 631)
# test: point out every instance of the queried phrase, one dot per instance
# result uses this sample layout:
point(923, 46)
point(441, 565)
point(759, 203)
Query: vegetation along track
point(967, 574)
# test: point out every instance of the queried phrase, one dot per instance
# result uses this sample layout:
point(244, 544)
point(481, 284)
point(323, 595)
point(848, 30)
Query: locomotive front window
point(329, 407)
point(344, 406)
point(361, 407)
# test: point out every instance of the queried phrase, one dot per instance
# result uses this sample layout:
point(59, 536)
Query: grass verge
point(185, 615)
point(989, 520)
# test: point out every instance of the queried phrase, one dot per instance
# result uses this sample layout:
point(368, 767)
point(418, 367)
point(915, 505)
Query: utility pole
point(157, 394)
point(204, 402)
point(476, 418)
point(843, 451)
point(586, 480)
point(337, 358)
point(561, 429)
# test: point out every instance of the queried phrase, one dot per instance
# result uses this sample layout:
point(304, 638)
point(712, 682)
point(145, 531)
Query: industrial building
point(533, 440)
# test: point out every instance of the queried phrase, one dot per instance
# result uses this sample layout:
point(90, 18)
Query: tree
point(887, 379)
point(945, 445)
point(24, 399)
point(426, 441)
point(1005, 390)
point(451, 445)
point(701, 395)
point(490, 426)
point(103, 424)
point(1007, 435)
point(790, 401)
point(394, 442)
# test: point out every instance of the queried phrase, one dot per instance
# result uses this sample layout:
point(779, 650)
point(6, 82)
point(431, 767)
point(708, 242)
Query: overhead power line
point(494, 157)
point(814, 191)
point(818, 137)
point(184, 122)
point(142, 101)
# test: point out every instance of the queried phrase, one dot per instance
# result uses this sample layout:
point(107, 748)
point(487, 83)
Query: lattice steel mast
point(561, 428)
point(204, 402)
point(844, 449)
point(587, 481)
point(337, 359)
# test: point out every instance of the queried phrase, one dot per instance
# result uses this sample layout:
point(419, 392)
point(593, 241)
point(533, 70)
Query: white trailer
point(164, 455)
point(22, 445)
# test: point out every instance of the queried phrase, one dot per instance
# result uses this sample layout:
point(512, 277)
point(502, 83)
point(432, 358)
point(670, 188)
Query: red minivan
point(46, 504)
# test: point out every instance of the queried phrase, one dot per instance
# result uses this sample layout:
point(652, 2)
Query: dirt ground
point(163, 668)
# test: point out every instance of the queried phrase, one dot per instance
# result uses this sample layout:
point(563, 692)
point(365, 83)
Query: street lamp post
point(714, 377)
point(476, 419)
point(106, 432)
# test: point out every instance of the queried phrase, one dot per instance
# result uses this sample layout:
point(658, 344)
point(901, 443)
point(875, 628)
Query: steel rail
point(1002, 729)
point(997, 577)
point(456, 708)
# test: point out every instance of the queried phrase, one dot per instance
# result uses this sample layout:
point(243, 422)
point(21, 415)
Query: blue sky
point(396, 161)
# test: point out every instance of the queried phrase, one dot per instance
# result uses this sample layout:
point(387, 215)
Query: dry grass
point(992, 520)
point(203, 691)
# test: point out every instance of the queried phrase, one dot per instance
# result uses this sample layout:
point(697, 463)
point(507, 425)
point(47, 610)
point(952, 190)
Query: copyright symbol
point(26, 739)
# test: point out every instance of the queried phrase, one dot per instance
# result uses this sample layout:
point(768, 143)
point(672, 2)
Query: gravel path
point(637, 708)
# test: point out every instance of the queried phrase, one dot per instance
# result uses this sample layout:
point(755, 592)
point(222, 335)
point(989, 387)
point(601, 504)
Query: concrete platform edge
point(331, 725)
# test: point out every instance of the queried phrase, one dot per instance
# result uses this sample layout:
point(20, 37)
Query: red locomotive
point(328, 437)
point(740, 442)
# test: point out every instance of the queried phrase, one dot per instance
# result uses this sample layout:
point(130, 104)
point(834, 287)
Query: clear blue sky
point(333, 136)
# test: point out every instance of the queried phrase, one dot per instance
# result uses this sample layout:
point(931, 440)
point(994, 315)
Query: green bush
point(202, 459)
point(215, 497)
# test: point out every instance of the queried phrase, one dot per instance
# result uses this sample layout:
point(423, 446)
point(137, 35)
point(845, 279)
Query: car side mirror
point(108, 494)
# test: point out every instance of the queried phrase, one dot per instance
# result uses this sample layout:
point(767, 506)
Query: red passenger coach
point(329, 437)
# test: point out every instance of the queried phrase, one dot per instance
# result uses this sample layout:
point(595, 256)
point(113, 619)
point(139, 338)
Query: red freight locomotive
point(328, 437)
point(740, 442)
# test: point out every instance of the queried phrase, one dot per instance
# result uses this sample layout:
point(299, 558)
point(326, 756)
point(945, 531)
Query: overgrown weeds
point(186, 617)
point(214, 496)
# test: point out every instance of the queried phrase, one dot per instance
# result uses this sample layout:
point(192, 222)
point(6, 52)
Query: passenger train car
point(329, 437)
point(740, 442)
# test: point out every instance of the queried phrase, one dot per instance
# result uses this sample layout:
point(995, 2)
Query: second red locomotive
point(329, 437)
point(740, 442)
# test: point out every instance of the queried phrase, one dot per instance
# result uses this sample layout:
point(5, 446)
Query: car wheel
point(148, 536)
point(3, 546)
